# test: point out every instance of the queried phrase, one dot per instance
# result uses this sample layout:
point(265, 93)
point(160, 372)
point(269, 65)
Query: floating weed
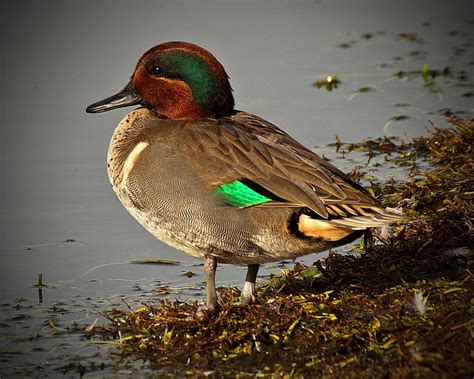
point(448, 112)
point(383, 66)
point(40, 283)
point(346, 45)
point(330, 82)
point(189, 274)
point(399, 118)
point(163, 290)
point(364, 89)
point(425, 73)
point(418, 54)
point(345, 314)
point(412, 37)
point(458, 78)
point(155, 262)
point(368, 36)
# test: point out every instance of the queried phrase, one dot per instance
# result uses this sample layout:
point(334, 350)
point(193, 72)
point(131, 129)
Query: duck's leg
point(210, 265)
point(249, 293)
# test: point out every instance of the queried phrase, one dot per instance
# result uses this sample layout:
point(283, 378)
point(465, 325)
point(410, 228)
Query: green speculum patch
point(238, 194)
point(195, 72)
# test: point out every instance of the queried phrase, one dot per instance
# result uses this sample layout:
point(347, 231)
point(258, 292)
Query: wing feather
point(245, 146)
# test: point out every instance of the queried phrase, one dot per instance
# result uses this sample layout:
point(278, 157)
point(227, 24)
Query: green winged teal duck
point(219, 184)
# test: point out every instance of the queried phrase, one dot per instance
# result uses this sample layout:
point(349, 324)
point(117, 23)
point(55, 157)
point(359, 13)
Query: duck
point(220, 184)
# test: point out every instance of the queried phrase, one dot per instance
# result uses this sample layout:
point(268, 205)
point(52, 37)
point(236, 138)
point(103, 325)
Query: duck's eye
point(155, 70)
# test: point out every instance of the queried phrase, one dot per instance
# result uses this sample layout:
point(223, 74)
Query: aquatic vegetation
point(155, 261)
point(412, 37)
point(399, 118)
point(365, 89)
point(330, 82)
point(348, 314)
point(346, 45)
point(459, 78)
point(424, 72)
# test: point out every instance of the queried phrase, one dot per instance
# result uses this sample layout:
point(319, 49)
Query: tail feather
point(336, 229)
point(379, 218)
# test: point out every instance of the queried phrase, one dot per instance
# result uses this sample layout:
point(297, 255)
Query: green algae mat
point(402, 307)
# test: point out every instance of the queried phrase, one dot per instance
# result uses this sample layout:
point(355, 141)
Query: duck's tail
point(372, 218)
point(335, 229)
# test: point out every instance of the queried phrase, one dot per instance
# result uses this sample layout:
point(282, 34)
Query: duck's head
point(176, 80)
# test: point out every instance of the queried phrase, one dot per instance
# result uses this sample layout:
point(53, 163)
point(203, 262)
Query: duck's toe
point(207, 311)
point(249, 294)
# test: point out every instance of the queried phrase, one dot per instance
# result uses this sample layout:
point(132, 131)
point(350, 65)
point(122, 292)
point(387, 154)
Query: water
point(59, 215)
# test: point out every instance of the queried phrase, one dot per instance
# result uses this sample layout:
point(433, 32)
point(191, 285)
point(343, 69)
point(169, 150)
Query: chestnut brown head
point(176, 80)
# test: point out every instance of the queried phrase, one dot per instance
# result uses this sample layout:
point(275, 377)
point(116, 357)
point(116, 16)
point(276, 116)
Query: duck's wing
point(244, 152)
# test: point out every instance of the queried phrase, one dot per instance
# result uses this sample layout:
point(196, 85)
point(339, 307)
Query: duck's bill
point(124, 98)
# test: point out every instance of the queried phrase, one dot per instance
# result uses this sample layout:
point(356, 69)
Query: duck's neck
point(186, 109)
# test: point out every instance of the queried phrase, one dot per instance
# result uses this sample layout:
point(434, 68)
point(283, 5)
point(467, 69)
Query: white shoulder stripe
point(131, 160)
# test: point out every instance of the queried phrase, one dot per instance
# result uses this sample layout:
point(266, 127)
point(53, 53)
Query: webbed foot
point(249, 293)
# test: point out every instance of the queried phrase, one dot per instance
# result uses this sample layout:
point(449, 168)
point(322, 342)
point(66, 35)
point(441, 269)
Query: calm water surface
point(59, 215)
